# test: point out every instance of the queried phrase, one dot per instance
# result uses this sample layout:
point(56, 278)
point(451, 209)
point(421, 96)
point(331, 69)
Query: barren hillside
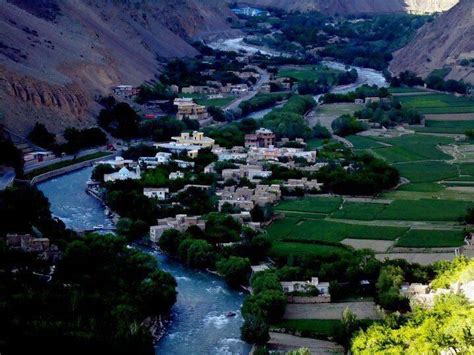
point(355, 6)
point(442, 43)
point(56, 56)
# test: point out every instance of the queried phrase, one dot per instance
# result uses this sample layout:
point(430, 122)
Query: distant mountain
point(445, 42)
point(346, 7)
point(56, 55)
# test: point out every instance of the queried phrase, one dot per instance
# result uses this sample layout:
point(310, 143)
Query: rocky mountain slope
point(445, 42)
point(57, 55)
point(355, 6)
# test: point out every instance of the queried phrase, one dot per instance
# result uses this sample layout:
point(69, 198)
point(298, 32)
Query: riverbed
point(198, 322)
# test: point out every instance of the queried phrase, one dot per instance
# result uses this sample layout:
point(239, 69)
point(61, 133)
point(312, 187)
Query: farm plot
point(311, 204)
point(359, 211)
point(363, 310)
point(427, 171)
point(284, 249)
point(375, 245)
point(334, 232)
point(425, 210)
point(438, 103)
point(417, 238)
point(310, 73)
point(360, 142)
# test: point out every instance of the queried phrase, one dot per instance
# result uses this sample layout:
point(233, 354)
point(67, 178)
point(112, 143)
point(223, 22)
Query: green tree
point(170, 240)
point(255, 331)
point(40, 136)
point(235, 270)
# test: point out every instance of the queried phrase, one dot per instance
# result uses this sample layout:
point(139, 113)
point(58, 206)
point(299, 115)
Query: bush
point(346, 125)
point(255, 331)
point(40, 136)
point(321, 132)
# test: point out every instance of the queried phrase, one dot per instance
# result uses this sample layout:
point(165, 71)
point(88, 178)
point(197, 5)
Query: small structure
point(123, 174)
point(159, 159)
point(303, 184)
point(27, 243)
point(160, 194)
point(116, 163)
point(126, 91)
point(181, 223)
point(372, 100)
point(176, 175)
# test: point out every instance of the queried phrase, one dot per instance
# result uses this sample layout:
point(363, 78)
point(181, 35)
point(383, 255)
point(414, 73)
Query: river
point(198, 321)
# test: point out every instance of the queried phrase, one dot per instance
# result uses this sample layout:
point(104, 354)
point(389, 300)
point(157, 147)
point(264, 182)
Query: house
point(372, 100)
point(245, 171)
point(195, 139)
point(303, 184)
point(305, 286)
point(181, 223)
point(160, 194)
point(27, 243)
point(116, 163)
point(259, 268)
point(187, 108)
point(246, 198)
point(176, 175)
point(262, 138)
point(123, 174)
point(159, 159)
point(125, 91)
point(359, 101)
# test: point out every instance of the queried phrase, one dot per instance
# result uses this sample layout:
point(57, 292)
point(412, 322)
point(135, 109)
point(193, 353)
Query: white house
point(305, 286)
point(160, 194)
point(176, 175)
point(123, 174)
point(159, 159)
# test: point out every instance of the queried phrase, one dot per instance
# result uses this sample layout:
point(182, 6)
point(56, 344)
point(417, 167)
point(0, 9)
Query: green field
point(360, 142)
point(359, 211)
point(431, 239)
point(405, 90)
point(285, 249)
point(427, 171)
point(201, 99)
point(425, 210)
point(329, 231)
point(310, 73)
point(422, 187)
point(315, 143)
point(453, 127)
point(311, 204)
point(438, 103)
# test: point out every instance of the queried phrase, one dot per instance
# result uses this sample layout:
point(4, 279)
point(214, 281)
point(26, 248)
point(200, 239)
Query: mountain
point(57, 55)
point(442, 43)
point(346, 7)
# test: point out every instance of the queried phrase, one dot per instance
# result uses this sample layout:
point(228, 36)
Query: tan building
point(261, 138)
point(181, 223)
point(194, 139)
point(187, 108)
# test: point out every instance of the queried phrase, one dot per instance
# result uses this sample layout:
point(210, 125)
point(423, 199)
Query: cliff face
point(56, 56)
point(356, 6)
point(442, 43)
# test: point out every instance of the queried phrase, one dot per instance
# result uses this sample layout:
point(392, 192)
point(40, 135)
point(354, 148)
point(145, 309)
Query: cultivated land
point(309, 73)
point(437, 103)
point(419, 215)
point(327, 113)
point(205, 101)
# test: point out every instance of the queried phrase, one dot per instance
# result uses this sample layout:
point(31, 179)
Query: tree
point(235, 270)
point(255, 331)
point(269, 305)
point(100, 170)
point(222, 228)
point(321, 132)
point(469, 133)
point(132, 229)
point(349, 325)
point(40, 136)
point(170, 240)
point(11, 156)
point(388, 289)
point(346, 125)
point(196, 253)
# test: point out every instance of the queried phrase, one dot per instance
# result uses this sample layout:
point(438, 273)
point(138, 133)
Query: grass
point(310, 73)
point(63, 164)
point(202, 99)
point(315, 143)
point(360, 142)
point(454, 127)
point(404, 90)
point(425, 210)
point(422, 187)
point(438, 103)
point(416, 238)
point(413, 147)
point(427, 171)
point(359, 211)
point(330, 231)
point(311, 204)
point(285, 249)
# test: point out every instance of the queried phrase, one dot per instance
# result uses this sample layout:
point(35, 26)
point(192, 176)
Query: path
point(363, 310)
point(234, 105)
point(286, 342)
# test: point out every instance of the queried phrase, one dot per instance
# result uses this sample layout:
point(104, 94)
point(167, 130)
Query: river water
point(199, 324)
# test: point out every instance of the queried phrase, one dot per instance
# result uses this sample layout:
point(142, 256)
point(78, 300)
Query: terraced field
point(438, 103)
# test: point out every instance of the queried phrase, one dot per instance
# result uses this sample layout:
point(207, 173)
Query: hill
point(346, 7)
point(443, 43)
point(56, 56)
